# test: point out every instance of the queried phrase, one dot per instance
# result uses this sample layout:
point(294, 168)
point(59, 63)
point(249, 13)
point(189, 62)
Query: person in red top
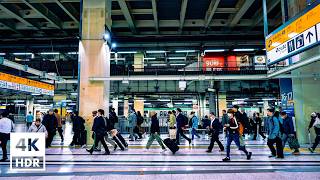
point(233, 135)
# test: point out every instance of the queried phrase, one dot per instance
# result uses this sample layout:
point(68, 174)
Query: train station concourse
point(160, 89)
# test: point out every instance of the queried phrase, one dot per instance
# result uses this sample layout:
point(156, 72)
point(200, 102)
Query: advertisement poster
point(216, 63)
point(287, 96)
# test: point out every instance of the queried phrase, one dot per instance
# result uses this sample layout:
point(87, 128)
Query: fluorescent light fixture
point(214, 50)
point(260, 102)
point(240, 50)
point(173, 58)
point(164, 100)
point(22, 53)
point(106, 36)
point(42, 101)
point(150, 58)
point(2, 54)
point(72, 104)
point(50, 53)
point(72, 53)
point(178, 64)
point(275, 44)
point(188, 100)
point(241, 99)
point(178, 103)
point(155, 52)
point(125, 81)
point(147, 103)
point(127, 52)
point(74, 94)
point(268, 99)
point(20, 105)
point(158, 64)
point(18, 101)
point(35, 94)
point(185, 51)
point(264, 49)
point(113, 45)
point(187, 103)
point(293, 34)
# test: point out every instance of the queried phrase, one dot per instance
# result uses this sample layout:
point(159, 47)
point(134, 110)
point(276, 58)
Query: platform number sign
point(27, 151)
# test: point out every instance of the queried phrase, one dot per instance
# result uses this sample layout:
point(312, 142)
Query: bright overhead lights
point(214, 50)
point(50, 53)
point(18, 101)
point(185, 51)
point(177, 64)
point(164, 100)
point(158, 64)
point(42, 101)
point(152, 58)
point(154, 52)
point(127, 52)
point(268, 99)
point(113, 45)
point(106, 36)
point(72, 53)
point(240, 50)
point(74, 94)
point(22, 53)
point(35, 94)
point(125, 81)
point(2, 54)
point(176, 58)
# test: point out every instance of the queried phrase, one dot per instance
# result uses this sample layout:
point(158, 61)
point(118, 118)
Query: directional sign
point(296, 36)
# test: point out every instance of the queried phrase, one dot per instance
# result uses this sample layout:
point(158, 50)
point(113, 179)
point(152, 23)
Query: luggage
point(116, 139)
point(83, 137)
point(125, 144)
point(173, 133)
point(293, 143)
point(171, 144)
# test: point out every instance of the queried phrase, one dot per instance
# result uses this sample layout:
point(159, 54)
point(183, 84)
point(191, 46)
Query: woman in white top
point(6, 126)
point(38, 127)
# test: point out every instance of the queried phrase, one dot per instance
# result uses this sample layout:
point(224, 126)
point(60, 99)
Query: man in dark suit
point(180, 125)
point(99, 128)
point(215, 127)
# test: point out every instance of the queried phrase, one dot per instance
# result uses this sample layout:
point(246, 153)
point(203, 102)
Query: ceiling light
point(2, 54)
point(158, 64)
point(151, 58)
point(176, 58)
point(127, 52)
point(72, 53)
point(185, 51)
point(106, 36)
point(214, 50)
point(164, 100)
point(50, 53)
point(22, 53)
point(240, 50)
point(154, 52)
point(178, 64)
point(113, 45)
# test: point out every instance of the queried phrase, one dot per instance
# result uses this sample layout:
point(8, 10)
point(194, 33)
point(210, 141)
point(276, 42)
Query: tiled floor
point(191, 162)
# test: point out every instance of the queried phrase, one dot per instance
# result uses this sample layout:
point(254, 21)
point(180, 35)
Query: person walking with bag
point(155, 132)
point(215, 127)
point(289, 134)
point(180, 126)
point(132, 124)
point(99, 128)
point(315, 122)
point(193, 124)
point(50, 122)
point(6, 127)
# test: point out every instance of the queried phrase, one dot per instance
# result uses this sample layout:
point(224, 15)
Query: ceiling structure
point(141, 24)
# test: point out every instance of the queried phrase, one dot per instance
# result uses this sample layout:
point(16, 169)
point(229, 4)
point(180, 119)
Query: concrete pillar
point(29, 106)
point(126, 107)
point(212, 102)
point(222, 102)
point(202, 106)
point(94, 60)
point(138, 62)
point(138, 105)
point(115, 104)
point(265, 107)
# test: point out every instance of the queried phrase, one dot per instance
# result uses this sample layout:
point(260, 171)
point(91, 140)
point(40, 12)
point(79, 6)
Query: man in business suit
point(215, 127)
point(180, 125)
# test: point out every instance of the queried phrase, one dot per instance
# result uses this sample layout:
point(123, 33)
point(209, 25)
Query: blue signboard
point(287, 96)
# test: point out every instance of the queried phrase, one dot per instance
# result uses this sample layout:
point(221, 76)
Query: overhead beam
point(210, 12)
point(16, 16)
point(11, 27)
point(67, 10)
point(45, 13)
point(127, 15)
point(183, 10)
point(258, 16)
point(155, 14)
point(133, 11)
point(244, 8)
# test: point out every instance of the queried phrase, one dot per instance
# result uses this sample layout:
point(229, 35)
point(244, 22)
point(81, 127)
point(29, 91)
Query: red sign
point(213, 62)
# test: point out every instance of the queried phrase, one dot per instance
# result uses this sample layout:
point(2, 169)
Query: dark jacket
point(110, 124)
point(154, 125)
point(77, 123)
point(99, 126)
point(225, 119)
point(216, 126)
point(113, 117)
point(205, 123)
point(288, 126)
point(317, 130)
point(180, 120)
point(50, 122)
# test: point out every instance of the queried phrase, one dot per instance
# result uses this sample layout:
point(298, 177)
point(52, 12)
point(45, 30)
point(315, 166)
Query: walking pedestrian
point(215, 127)
point(274, 134)
point(155, 132)
point(193, 124)
point(6, 127)
point(315, 122)
point(29, 119)
point(59, 120)
point(51, 123)
point(288, 132)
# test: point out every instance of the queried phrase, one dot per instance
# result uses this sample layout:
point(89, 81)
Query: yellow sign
point(309, 19)
point(25, 81)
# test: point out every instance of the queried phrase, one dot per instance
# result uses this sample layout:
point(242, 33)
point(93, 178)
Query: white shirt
point(6, 125)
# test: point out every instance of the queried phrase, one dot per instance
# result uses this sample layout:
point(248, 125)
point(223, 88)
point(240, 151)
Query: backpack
point(316, 123)
point(139, 120)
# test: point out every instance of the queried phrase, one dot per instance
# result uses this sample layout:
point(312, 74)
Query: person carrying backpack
point(180, 125)
point(274, 134)
point(315, 122)
point(288, 133)
point(193, 124)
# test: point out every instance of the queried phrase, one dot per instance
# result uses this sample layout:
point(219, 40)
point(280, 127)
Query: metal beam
point(67, 11)
point(16, 16)
point(155, 14)
point(244, 8)
point(183, 14)
point(127, 15)
point(11, 27)
point(133, 11)
point(258, 16)
point(210, 12)
point(45, 13)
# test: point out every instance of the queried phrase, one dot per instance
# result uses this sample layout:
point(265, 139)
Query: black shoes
point(208, 151)
point(90, 151)
point(226, 159)
point(107, 153)
point(115, 147)
point(311, 150)
point(271, 156)
point(4, 159)
point(249, 155)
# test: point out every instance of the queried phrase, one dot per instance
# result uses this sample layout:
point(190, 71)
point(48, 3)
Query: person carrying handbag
point(6, 127)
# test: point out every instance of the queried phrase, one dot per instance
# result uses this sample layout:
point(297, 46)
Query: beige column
point(138, 105)
point(94, 60)
point(222, 102)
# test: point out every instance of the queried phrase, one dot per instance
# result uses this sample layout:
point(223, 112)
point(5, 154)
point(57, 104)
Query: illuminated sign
point(8, 81)
point(295, 37)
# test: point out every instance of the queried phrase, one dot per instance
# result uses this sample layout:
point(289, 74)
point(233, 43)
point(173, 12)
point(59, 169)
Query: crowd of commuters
point(234, 125)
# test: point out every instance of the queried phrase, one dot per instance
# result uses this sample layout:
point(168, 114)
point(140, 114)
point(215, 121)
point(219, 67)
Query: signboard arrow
point(309, 36)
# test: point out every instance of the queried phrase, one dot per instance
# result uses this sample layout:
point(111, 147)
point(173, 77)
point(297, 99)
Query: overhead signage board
point(295, 36)
point(8, 81)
